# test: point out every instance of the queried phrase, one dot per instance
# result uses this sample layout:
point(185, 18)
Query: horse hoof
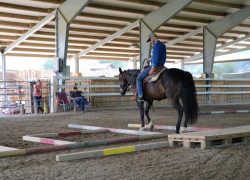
point(184, 130)
point(151, 127)
point(142, 129)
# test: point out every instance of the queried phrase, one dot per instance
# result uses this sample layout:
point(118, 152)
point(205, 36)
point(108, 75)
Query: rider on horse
point(158, 59)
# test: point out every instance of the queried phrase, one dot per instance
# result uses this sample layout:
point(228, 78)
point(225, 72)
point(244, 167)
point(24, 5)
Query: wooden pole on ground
point(113, 130)
point(111, 151)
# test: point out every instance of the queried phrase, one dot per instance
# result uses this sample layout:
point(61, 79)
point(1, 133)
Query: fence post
point(53, 91)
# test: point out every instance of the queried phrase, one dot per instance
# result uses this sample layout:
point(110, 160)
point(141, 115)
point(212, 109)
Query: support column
point(76, 65)
point(4, 77)
point(53, 90)
point(182, 65)
point(62, 32)
point(134, 63)
point(64, 16)
point(208, 51)
point(144, 46)
point(154, 20)
point(215, 29)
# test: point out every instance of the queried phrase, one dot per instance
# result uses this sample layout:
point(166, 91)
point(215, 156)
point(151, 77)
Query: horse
point(174, 84)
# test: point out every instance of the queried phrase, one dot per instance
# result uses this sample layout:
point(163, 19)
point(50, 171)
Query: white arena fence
point(16, 97)
point(103, 92)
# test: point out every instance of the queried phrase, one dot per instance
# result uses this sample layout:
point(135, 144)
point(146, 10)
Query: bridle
point(128, 83)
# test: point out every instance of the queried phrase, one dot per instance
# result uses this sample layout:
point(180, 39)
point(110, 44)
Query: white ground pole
point(46, 140)
point(113, 130)
point(111, 151)
point(5, 148)
point(172, 128)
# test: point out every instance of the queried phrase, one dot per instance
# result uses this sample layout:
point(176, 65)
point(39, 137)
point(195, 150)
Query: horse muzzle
point(122, 92)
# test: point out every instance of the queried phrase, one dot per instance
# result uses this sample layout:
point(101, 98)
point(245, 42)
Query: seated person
point(80, 100)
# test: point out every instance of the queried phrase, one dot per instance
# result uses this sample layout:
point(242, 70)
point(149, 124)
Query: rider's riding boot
point(139, 99)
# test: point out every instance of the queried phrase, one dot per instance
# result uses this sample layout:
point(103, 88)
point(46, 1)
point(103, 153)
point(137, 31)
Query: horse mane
point(132, 71)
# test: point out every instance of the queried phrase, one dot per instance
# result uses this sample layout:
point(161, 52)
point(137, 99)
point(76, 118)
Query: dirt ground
point(169, 163)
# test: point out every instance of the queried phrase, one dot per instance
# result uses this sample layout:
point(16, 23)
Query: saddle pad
point(154, 77)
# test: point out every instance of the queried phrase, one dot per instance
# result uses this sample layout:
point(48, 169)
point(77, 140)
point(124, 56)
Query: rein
point(129, 81)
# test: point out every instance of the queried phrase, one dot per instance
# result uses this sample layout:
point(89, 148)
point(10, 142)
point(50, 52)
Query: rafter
point(99, 26)
point(223, 4)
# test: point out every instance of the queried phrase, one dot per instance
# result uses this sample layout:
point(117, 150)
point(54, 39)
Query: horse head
point(123, 81)
point(126, 79)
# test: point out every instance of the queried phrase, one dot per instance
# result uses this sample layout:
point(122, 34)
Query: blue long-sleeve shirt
point(159, 54)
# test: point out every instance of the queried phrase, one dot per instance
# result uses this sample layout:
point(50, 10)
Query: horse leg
point(148, 106)
point(185, 126)
point(141, 107)
point(179, 110)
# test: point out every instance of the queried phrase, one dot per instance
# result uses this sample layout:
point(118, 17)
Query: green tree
point(48, 65)
point(217, 70)
point(115, 64)
point(228, 67)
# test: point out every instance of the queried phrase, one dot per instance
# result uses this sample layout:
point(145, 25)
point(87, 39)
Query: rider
point(158, 59)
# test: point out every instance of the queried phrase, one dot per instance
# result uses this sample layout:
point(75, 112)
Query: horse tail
point(188, 97)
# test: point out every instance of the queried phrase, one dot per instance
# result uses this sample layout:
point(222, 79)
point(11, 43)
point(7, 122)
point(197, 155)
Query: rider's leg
point(139, 81)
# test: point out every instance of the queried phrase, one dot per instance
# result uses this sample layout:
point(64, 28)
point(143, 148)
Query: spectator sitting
point(80, 100)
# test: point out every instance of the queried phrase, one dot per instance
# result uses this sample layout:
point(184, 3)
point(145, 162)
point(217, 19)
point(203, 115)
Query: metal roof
point(102, 18)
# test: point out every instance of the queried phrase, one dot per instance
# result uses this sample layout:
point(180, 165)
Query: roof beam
point(111, 25)
point(65, 15)
point(30, 32)
point(96, 16)
point(224, 61)
point(30, 55)
point(71, 8)
point(103, 49)
point(152, 21)
point(228, 52)
point(182, 38)
point(127, 10)
point(115, 43)
point(24, 8)
point(215, 29)
point(133, 32)
point(199, 56)
point(86, 57)
point(119, 9)
point(223, 4)
point(109, 38)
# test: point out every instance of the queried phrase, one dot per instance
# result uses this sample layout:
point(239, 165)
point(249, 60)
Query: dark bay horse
point(174, 84)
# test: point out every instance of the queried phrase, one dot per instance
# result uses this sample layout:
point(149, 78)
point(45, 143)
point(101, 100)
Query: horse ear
point(120, 70)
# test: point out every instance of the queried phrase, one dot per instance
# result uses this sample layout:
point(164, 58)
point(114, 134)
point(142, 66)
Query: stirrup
point(139, 99)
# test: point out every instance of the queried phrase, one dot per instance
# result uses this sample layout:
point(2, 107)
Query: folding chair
point(62, 101)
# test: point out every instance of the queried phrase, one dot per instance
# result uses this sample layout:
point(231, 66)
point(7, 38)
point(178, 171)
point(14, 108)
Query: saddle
point(156, 73)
